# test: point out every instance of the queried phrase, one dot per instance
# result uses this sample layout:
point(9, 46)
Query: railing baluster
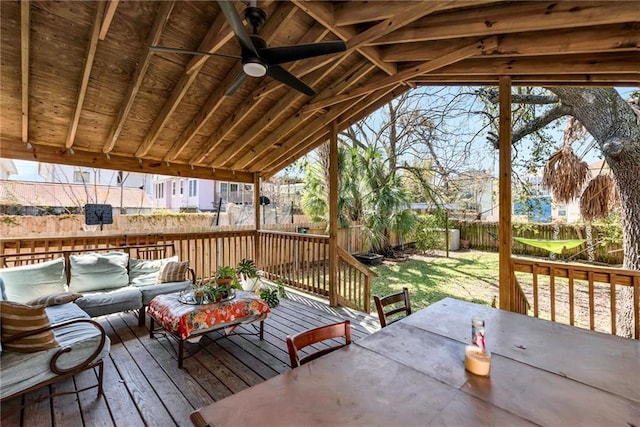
point(552, 292)
point(612, 281)
point(571, 299)
point(592, 310)
point(535, 291)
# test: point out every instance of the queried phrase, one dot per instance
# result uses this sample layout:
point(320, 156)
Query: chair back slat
point(382, 302)
point(309, 337)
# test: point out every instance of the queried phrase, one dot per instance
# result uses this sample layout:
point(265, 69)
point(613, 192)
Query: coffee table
point(186, 321)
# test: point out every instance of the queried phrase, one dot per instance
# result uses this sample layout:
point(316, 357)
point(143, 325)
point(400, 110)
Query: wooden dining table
point(412, 373)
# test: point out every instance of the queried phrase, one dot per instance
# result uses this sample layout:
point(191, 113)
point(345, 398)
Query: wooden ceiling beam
point(533, 80)
point(323, 13)
point(299, 138)
point(86, 73)
point(612, 38)
point(514, 17)
point(609, 63)
point(25, 33)
point(14, 149)
point(109, 13)
point(180, 89)
point(138, 76)
point(275, 24)
point(403, 16)
point(357, 12)
point(295, 122)
point(359, 110)
point(424, 68)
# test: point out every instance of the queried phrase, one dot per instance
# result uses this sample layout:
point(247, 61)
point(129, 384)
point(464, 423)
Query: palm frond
point(565, 174)
point(598, 198)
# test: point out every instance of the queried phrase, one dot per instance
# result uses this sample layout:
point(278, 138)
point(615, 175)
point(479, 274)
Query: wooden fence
point(483, 236)
point(578, 294)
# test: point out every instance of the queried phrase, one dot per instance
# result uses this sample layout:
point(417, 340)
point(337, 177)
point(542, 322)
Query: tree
point(615, 126)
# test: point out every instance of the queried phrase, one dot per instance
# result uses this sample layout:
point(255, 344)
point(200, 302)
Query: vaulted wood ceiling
point(80, 85)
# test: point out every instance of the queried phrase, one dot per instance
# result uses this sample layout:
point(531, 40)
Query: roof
point(70, 195)
point(90, 92)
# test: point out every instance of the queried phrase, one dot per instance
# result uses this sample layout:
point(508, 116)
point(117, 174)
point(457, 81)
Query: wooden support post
point(333, 215)
point(504, 228)
point(256, 218)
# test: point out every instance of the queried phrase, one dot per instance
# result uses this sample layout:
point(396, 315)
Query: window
point(181, 187)
point(193, 186)
point(233, 187)
point(160, 190)
point(173, 188)
point(80, 176)
point(120, 177)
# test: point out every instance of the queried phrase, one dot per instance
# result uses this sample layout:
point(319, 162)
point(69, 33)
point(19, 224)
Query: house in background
point(7, 168)
point(49, 198)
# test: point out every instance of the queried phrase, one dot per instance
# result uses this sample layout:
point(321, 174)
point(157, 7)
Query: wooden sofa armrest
point(53, 363)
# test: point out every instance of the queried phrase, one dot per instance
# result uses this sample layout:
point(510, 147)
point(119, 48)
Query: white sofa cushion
point(143, 272)
point(97, 271)
point(27, 282)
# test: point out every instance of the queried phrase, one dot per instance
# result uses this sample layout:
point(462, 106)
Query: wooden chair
point(299, 341)
point(382, 302)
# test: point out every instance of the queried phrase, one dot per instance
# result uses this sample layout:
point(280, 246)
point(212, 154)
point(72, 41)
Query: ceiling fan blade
point(283, 76)
point(190, 52)
point(233, 87)
point(235, 22)
point(282, 54)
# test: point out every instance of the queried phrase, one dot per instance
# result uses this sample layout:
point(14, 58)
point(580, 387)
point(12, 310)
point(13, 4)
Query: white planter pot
point(250, 284)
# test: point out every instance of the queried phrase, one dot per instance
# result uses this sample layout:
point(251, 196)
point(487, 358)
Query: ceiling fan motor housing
point(252, 65)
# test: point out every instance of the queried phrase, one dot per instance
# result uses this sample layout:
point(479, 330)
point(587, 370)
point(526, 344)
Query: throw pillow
point(173, 272)
point(143, 272)
point(19, 318)
point(54, 299)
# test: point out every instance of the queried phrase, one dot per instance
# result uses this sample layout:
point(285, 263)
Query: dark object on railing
point(98, 215)
point(369, 258)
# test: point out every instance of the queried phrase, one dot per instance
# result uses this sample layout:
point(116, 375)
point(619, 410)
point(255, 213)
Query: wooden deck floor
point(144, 387)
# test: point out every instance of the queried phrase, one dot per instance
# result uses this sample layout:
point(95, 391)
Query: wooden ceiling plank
point(323, 13)
point(109, 13)
point(356, 112)
point(13, 149)
point(276, 23)
point(179, 90)
point(619, 37)
point(515, 18)
point(426, 67)
point(405, 15)
point(357, 12)
point(86, 73)
point(25, 33)
point(351, 77)
point(138, 76)
point(304, 134)
point(218, 35)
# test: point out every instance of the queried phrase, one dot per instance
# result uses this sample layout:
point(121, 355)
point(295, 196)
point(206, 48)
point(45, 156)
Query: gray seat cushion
point(23, 370)
point(110, 301)
point(151, 291)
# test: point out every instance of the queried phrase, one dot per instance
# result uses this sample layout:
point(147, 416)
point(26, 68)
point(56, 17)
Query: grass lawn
point(470, 276)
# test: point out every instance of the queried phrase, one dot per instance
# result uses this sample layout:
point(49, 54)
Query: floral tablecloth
point(183, 320)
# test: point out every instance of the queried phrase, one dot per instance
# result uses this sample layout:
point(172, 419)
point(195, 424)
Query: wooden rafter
point(86, 73)
point(426, 67)
point(323, 13)
point(109, 13)
point(405, 16)
point(47, 154)
point(183, 85)
point(357, 110)
point(270, 31)
point(628, 79)
point(25, 32)
point(612, 38)
point(293, 123)
point(138, 76)
point(517, 18)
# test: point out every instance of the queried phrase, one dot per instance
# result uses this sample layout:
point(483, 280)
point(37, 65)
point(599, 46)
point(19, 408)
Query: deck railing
point(579, 295)
point(302, 261)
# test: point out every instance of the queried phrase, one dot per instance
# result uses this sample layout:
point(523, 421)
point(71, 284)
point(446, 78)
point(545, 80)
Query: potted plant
point(248, 273)
point(225, 275)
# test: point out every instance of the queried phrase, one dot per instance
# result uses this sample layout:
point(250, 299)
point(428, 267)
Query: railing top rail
point(574, 266)
point(289, 233)
point(349, 259)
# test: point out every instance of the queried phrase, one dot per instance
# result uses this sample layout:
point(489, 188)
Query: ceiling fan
point(259, 60)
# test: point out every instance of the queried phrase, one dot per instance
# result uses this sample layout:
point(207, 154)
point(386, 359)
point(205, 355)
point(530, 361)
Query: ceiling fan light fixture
point(254, 69)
